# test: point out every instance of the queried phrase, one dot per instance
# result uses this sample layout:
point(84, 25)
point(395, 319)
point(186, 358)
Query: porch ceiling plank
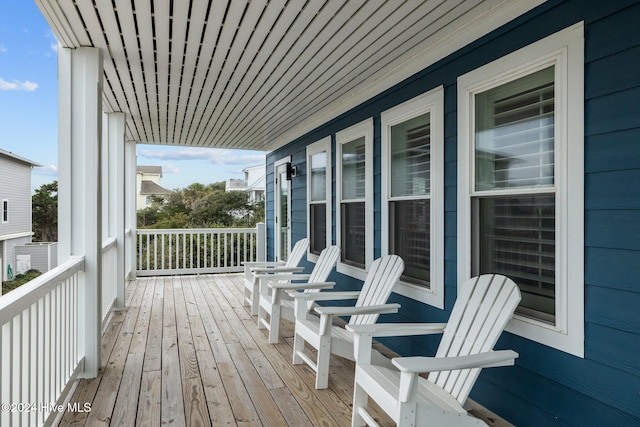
point(71, 15)
point(384, 43)
point(332, 15)
point(161, 20)
point(272, 35)
point(258, 74)
point(146, 37)
point(381, 43)
point(220, 59)
point(197, 24)
point(275, 66)
point(335, 56)
point(139, 108)
point(202, 80)
point(429, 44)
point(114, 84)
point(59, 22)
point(178, 38)
point(252, 16)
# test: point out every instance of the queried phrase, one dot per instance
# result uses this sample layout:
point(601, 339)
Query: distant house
point(15, 215)
point(253, 183)
point(148, 184)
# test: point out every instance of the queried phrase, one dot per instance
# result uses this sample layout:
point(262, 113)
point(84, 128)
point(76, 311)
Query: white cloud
point(170, 168)
point(53, 41)
point(18, 85)
point(3, 48)
point(214, 156)
point(48, 170)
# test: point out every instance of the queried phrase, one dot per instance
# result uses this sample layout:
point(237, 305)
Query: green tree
point(219, 208)
point(45, 213)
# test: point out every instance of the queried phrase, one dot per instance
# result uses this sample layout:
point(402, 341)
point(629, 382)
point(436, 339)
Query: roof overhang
point(258, 74)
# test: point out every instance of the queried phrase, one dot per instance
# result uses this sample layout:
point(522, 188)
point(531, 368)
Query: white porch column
point(79, 195)
point(115, 129)
point(130, 207)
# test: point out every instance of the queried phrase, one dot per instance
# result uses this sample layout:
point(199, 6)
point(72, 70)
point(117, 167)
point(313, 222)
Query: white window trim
point(359, 130)
point(2, 213)
point(565, 49)
point(276, 200)
point(312, 149)
point(431, 102)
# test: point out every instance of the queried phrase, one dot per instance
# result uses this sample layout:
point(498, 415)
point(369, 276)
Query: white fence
point(194, 251)
point(40, 356)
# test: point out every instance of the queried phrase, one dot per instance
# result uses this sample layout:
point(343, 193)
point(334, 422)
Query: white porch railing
point(109, 271)
point(40, 355)
point(194, 251)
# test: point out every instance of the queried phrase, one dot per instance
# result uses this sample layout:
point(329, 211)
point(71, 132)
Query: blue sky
point(28, 109)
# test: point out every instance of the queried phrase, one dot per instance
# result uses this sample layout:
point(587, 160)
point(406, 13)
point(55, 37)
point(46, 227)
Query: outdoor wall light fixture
point(291, 171)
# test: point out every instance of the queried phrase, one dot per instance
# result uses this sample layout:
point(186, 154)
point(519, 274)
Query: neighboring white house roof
point(256, 75)
point(258, 184)
point(10, 155)
point(148, 188)
point(157, 170)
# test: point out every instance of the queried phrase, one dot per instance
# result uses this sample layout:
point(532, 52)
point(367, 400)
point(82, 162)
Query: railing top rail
point(109, 243)
point(17, 300)
point(194, 230)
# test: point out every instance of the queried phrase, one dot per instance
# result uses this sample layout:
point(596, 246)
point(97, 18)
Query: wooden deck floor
point(186, 352)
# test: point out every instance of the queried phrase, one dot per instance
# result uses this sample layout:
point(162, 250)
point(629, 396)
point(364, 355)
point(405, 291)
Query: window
point(412, 194)
point(5, 210)
point(520, 177)
point(354, 215)
point(319, 196)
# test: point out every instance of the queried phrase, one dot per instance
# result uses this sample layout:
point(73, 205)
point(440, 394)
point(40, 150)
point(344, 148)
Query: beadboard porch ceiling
point(255, 74)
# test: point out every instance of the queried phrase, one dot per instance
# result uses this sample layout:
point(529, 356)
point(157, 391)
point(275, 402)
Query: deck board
point(186, 352)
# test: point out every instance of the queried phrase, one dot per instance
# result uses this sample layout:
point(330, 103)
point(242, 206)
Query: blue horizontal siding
point(546, 387)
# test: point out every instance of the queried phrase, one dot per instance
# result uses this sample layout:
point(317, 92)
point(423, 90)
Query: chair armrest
point(263, 263)
point(397, 329)
point(285, 276)
point(262, 272)
point(324, 296)
point(488, 359)
point(293, 286)
point(347, 311)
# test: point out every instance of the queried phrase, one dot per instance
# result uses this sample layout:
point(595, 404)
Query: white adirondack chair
point(255, 271)
point(484, 306)
point(328, 339)
point(273, 297)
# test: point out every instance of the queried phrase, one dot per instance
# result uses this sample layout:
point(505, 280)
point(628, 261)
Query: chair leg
point(360, 400)
point(298, 347)
point(255, 299)
point(324, 355)
point(274, 324)
point(262, 314)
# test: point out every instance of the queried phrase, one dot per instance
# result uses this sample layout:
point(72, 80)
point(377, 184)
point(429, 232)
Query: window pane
point(318, 177)
point(517, 239)
point(515, 133)
point(353, 170)
point(352, 240)
point(318, 227)
point(410, 157)
point(410, 232)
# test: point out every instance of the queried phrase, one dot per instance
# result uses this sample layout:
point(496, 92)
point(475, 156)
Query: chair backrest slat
point(484, 306)
point(377, 287)
point(327, 260)
point(298, 251)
